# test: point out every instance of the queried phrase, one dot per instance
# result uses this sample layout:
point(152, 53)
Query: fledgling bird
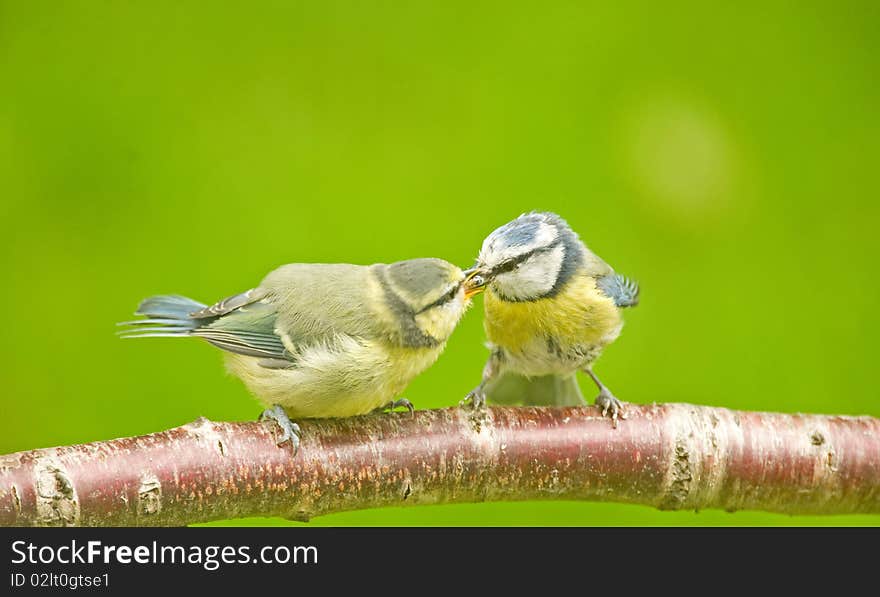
point(324, 340)
point(551, 306)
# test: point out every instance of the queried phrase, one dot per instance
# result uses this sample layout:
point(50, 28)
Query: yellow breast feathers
point(579, 314)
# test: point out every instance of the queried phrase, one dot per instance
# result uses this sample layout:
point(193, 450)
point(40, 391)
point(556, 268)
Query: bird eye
point(478, 281)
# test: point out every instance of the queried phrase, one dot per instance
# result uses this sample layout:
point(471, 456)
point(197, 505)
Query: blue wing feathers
point(624, 291)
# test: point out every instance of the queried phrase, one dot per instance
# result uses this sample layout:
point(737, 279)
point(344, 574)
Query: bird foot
point(477, 398)
point(290, 431)
point(610, 406)
point(399, 403)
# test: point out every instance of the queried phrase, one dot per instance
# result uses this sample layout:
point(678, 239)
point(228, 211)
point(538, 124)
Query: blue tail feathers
point(164, 316)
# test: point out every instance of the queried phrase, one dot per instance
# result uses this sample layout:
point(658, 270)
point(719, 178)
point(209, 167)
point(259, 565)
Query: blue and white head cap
point(531, 257)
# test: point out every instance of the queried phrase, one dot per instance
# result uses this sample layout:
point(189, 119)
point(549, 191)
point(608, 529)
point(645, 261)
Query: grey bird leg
point(606, 401)
point(477, 396)
point(290, 430)
point(400, 402)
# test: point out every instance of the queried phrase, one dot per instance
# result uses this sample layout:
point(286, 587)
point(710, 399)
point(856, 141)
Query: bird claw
point(477, 398)
point(290, 431)
point(400, 402)
point(611, 407)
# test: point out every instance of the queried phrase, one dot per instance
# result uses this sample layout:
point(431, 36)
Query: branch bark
point(671, 456)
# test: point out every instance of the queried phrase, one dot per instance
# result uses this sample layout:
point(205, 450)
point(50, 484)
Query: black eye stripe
point(510, 264)
point(506, 266)
point(450, 294)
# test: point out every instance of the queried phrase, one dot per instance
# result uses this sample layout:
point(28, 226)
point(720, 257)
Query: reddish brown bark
point(671, 456)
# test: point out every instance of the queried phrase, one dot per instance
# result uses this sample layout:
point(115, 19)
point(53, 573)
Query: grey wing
point(248, 330)
point(624, 291)
point(229, 304)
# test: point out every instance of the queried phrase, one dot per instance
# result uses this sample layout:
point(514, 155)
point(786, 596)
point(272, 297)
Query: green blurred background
point(726, 157)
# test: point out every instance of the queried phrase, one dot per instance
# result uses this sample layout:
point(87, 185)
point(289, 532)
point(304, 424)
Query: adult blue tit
point(551, 306)
point(323, 340)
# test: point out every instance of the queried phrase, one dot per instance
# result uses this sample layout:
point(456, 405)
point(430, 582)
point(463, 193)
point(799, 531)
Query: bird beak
point(474, 282)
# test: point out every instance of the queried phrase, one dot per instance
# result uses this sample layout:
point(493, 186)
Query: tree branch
point(671, 456)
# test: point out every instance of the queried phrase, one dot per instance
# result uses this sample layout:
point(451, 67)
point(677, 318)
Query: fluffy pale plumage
point(325, 340)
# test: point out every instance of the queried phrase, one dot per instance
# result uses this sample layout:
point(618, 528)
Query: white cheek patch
point(495, 250)
point(535, 277)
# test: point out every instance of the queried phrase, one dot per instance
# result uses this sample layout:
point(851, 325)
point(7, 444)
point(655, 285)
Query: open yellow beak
point(474, 282)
